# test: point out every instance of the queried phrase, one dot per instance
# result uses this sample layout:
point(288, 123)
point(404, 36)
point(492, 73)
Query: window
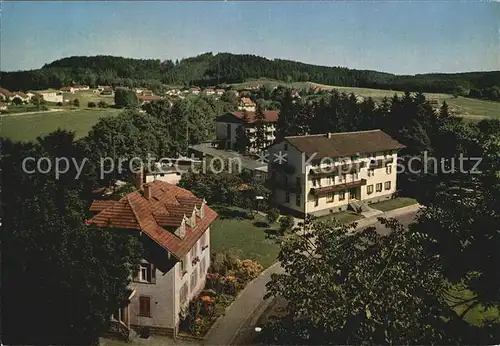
point(182, 267)
point(203, 266)
point(378, 187)
point(369, 189)
point(204, 242)
point(387, 185)
point(329, 180)
point(330, 197)
point(184, 293)
point(193, 281)
point(192, 254)
point(355, 176)
point(297, 200)
point(146, 273)
point(342, 196)
point(285, 146)
point(388, 169)
point(371, 173)
point(287, 197)
point(316, 201)
point(316, 182)
point(144, 306)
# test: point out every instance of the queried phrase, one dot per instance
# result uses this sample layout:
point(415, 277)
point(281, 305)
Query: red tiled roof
point(101, 205)
point(20, 93)
point(344, 144)
point(5, 92)
point(166, 206)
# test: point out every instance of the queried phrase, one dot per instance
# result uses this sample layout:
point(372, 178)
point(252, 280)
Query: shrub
point(59, 104)
point(102, 104)
point(273, 215)
point(76, 102)
point(91, 104)
point(248, 270)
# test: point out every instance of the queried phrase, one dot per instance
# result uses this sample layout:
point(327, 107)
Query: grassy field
point(243, 237)
point(28, 127)
point(394, 203)
point(85, 96)
point(462, 106)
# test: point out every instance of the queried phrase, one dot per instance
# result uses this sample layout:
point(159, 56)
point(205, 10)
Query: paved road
point(237, 326)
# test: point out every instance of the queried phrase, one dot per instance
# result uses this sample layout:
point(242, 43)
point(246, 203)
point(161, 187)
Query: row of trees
point(209, 69)
point(54, 261)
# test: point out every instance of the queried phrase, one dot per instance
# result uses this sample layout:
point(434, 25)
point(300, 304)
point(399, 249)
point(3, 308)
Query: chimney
point(139, 179)
point(148, 193)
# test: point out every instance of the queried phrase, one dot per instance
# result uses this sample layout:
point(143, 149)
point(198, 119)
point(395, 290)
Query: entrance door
point(353, 194)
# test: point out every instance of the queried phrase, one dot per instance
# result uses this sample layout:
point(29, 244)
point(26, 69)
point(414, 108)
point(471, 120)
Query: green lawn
point(243, 237)
point(342, 217)
point(395, 203)
point(478, 314)
point(28, 127)
point(85, 96)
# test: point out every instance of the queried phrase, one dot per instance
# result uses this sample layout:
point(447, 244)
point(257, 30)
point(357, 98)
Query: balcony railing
point(319, 191)
point(347, 168)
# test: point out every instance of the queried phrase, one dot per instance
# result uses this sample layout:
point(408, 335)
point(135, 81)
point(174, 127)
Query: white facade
point(303, 192)
point(51, 96)
point(170, 291)
point(227, 131)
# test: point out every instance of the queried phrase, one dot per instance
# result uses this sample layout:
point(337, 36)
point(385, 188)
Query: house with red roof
point(229, 124)
point(5, 94)
point(246, 104)
point(174, 227)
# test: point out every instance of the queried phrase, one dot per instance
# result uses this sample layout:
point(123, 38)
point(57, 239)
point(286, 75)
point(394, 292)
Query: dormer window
point(181, 231)
point(191, 221)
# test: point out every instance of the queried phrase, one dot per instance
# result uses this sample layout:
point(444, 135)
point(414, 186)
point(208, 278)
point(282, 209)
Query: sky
point(402, 37)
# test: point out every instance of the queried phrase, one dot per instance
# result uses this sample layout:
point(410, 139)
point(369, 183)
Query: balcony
point(347, 168)
point(320, 191)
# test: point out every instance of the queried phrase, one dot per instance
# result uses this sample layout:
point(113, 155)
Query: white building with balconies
point(325, 173)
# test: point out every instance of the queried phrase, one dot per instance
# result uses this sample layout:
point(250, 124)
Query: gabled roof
point(344, 144)
point(167, 206)
point(237, 117)
point(5, 92)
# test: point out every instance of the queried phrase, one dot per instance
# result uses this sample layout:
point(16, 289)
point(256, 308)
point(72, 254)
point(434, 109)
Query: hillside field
point(463, 106)
point(28, 127)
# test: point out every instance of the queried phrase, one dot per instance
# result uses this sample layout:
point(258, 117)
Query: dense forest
point(209, 69)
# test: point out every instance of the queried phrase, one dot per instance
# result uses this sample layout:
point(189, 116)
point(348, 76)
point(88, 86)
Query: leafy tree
point(78, 275)
point(102, 104)
point(17, 101)
point(286, 224)
point(125, 98)
point(91, 104)
point(462, 215)
point(76, 102)
point(37, 100)
point(353, 288)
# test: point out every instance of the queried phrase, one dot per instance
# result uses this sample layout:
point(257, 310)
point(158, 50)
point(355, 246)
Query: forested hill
point(209, 69)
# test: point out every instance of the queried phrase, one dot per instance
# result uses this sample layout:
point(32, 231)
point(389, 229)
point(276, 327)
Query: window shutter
point(153, 273)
